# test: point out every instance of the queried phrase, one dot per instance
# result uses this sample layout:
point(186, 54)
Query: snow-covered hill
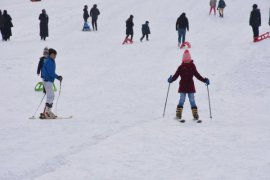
point(116, 94)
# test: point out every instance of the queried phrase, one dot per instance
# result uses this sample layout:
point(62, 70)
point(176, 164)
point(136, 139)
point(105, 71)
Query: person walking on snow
point(48, 75)
point(269, 17)
point(7, 26)
point(145, 31)
point(181, 26)
point(255, 21)
point(44, 21)
point(94, 13)
point(213, 4)
point(186, 71)
point(85, 13)
point(2, 25)
point(221, 6)
point(129, 28)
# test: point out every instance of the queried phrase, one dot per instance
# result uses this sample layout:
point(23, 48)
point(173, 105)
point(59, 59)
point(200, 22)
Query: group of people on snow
point(5, 25)
point(220, 7)
point(94, 13)
point(186, 71)
point(129, 30)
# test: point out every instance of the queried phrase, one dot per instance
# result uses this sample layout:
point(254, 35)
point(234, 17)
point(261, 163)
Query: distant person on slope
point(181, 26)
point(213, 5)
point(41, 62)
point(221, 6)
point(2, 25)
point(7, 26)
point(145, 31)
point(94, 13)
point(129, 29)
point(269, 18)
point(85, 13)
point(44, 21)
point(186, 71)
point(255, 21)
point(48, 75)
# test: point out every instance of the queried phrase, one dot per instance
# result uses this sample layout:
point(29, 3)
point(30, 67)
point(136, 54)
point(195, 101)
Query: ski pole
point(39, 105)
point(166, 100)
point(209, 102)
point(58, 98)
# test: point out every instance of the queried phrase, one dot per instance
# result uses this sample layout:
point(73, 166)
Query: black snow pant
point(144, 36)
point(94, 23)
point(255, 31)
point(2, 33)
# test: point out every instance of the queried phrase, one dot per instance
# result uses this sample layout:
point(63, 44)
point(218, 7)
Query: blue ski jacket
point(48, 70)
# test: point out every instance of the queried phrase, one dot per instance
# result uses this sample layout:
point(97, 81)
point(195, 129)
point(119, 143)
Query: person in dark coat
point(186, 71)
point(221, 6)
point(2, 25)
point(145, 31)
point(182, 25)
point(7, 26)
point(44, 21)
point(85, 13)
point(41, 60)
point(94, 13)
point(129, 28)
point(255, 21)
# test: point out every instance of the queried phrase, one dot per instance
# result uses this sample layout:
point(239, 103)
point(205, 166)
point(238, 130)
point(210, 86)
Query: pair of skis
point(183, 120)
point(58, 117)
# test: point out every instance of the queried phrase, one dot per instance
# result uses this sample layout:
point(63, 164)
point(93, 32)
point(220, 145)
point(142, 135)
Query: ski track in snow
point(116, 94)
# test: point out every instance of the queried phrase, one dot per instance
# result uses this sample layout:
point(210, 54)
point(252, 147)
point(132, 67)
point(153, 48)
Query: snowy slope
point(116, 94)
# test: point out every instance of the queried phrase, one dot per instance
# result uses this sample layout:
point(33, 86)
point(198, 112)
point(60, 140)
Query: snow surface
point(116, 94)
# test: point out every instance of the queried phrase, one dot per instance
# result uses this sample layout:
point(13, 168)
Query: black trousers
point(144, 36)
point(2, 33)
point(94, 23)
point(255, 31)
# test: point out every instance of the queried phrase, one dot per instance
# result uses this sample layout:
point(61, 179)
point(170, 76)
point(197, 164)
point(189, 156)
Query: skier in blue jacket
point(48, 75)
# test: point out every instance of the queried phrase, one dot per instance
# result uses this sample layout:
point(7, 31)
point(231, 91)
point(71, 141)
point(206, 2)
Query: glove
point(207, 82)
point(60, 78)
point(170, 79)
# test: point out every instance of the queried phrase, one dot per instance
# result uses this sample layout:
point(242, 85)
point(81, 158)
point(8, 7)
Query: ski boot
point(179, 111)
point(195, 113)
point(47, 114)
